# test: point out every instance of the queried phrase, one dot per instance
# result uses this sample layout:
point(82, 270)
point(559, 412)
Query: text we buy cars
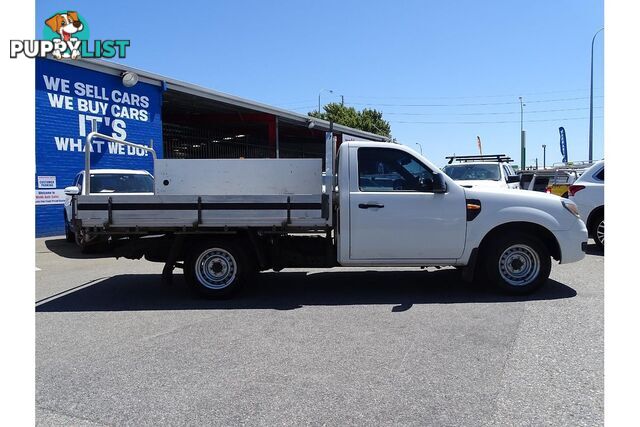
point(96, 100)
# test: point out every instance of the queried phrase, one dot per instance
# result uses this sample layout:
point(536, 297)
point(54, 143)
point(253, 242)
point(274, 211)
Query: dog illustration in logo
point(65, 24)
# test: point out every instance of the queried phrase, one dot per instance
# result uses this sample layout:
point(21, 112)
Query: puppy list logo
point(66, 36)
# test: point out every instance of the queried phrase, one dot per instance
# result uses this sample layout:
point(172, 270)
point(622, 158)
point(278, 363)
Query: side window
point(506, 171)
point(600, 175)
point(388, 169)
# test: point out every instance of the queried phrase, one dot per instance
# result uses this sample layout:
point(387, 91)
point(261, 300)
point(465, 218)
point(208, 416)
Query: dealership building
point(181, 120)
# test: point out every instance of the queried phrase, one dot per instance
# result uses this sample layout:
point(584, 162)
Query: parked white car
point(105, 182)
point(587, 192)
point(483, 173)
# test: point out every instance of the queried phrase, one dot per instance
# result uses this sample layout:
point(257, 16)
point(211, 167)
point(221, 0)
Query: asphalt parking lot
point(343, 346)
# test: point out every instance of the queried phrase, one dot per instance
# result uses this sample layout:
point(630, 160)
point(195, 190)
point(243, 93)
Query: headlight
point(571, 207)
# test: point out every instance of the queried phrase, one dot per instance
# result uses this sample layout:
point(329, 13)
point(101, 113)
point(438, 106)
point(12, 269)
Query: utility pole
point(342, 100)
point(523, 150)
point(593, 40)
point(544, 156)
point(320, 93)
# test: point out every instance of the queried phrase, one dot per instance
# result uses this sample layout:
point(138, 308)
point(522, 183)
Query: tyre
point(517, 263)
point(597, 231)
point(217, 268)
point(83, 241)
point(69, 235)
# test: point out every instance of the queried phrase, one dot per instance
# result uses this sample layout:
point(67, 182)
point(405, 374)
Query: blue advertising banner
point(68, 99)
point(563, 145)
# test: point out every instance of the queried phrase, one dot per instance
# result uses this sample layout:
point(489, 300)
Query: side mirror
point(439, 183)
point(72, 191)
point(513, 179)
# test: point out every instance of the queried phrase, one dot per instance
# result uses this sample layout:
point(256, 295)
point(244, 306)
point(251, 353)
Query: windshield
point(121, 183)
point(464, 172)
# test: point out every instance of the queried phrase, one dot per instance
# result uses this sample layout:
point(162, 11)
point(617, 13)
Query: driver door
point(394, 213)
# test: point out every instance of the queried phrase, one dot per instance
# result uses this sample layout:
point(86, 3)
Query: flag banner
point(563, 145)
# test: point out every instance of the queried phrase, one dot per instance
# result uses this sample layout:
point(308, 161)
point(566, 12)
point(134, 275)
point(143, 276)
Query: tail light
point(573, 189)
point(548, 191)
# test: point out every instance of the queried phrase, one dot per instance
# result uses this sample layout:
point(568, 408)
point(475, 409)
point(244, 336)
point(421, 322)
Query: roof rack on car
point(481, 158)
point(582, 164)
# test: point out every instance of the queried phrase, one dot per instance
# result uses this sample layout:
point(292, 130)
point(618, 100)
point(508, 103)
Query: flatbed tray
point(156, 211)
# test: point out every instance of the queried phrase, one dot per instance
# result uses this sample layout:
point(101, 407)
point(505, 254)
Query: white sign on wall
point(46, 182)
point(50, 197)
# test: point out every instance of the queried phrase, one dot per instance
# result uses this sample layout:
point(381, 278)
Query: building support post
point(277, 138)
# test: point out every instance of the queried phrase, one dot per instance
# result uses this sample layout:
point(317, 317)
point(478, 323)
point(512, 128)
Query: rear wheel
point(84, 241)
point(217, 268)
point(518, 263)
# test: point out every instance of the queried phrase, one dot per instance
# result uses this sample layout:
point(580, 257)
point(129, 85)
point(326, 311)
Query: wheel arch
point(536, 230)
point(593, 216)
point(243, 238)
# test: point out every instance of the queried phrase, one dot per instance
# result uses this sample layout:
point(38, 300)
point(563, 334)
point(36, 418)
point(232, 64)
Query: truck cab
point(402, 210)
point(397, 208)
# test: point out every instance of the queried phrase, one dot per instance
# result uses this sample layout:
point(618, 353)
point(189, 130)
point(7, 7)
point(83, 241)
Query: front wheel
point(217, 268)
point(597, 231)
point(518, 263)
point(69, 235)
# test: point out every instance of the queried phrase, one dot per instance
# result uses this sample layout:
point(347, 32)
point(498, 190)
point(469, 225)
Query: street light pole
point(593, 40)
point(419, 145)
point(320, 93)
point(523, 150)
point(544, 156)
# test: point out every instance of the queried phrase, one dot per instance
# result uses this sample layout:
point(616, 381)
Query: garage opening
point(195, 127)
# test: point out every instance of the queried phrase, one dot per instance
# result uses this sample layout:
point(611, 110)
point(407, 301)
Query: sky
point(442, 72)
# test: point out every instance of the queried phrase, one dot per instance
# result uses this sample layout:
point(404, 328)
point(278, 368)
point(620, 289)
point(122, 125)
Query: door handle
point(370, 205)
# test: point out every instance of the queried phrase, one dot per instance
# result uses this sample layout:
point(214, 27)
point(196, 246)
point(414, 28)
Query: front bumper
point(573, 243)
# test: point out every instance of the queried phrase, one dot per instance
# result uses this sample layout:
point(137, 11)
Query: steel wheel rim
point(216, 268)
point(600, 232)
point(519, 265)
point(82, 238)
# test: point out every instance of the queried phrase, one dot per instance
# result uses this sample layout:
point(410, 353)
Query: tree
point(369, 120)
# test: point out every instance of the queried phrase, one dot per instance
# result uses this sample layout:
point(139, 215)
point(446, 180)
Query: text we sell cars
point(124, 105)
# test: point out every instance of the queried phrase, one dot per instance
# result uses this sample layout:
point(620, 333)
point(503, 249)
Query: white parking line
point(68, 291)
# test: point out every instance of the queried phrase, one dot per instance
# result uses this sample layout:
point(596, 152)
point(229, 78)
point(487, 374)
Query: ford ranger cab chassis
point(373, 204)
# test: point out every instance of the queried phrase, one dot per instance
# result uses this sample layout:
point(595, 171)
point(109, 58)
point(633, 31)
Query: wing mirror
point(72, 191)
point(439, 183)
point(513, 179)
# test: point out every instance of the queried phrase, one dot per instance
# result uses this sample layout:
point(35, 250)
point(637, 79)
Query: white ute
point(379, 204)
point(104, 182)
